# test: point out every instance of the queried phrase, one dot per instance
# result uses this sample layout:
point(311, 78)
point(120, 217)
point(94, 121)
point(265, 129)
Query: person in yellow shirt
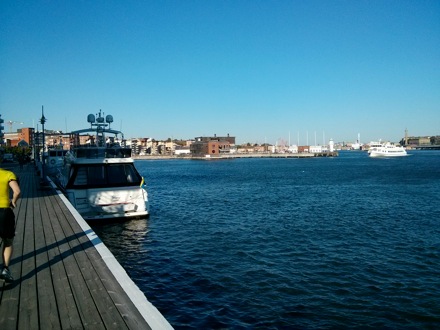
point(8, 180)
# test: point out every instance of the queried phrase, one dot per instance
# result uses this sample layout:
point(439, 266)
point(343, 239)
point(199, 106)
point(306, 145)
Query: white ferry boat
point(386, 150)
point(372, 145)
point(99, 177)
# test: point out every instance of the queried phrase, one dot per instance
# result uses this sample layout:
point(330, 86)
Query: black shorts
point(7, 223)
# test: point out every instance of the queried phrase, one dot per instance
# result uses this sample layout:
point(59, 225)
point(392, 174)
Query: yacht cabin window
point(105, 175)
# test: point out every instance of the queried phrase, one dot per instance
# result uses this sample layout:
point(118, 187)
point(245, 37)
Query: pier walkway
point(64, 276)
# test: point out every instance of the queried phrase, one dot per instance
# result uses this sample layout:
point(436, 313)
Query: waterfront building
point(212, 146)
point(421, 140)
point(315, 149)
point(303, 149)
point(12, 139)
point(180, 151)
point(293, 149)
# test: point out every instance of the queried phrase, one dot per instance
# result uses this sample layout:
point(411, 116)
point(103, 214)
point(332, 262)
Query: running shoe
point(6, 275)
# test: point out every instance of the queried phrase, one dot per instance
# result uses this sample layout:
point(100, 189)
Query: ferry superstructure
point(99, 177)
point(386, 150)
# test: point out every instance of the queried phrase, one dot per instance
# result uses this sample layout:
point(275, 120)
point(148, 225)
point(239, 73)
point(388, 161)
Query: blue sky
point(258, 70)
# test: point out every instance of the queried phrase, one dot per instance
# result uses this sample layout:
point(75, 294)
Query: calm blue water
point(289, 243)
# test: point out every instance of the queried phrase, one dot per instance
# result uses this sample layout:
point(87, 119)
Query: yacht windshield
point(104, 175)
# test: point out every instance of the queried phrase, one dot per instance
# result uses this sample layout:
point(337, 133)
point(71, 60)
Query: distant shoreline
point(235, 156)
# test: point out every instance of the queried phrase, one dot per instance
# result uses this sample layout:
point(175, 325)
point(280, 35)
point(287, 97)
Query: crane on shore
point(12, 122)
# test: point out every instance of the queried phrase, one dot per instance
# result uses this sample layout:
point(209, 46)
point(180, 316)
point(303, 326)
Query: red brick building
point(212, 146)
point(22, 134)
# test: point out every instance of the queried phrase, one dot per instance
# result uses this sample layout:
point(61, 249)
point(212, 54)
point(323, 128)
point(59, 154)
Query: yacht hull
point(115, 203)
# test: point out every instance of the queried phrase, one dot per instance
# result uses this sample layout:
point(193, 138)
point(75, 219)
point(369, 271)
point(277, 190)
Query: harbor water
point(322, 243)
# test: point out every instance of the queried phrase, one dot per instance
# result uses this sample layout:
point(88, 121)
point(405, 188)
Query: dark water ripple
point(349, 242)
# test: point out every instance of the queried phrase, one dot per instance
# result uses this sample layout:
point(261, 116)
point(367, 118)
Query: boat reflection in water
point(99, 177)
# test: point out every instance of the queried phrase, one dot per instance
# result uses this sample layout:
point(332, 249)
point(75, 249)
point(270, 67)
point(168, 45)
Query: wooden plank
point(69, 246)
point(47, 304)
point(118, 296)
point(103, 303)
point(67, 310)
point(127, 309)
point(28, 312)
point(100, 279)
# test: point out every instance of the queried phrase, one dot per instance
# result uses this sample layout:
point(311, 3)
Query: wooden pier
point(64, 276)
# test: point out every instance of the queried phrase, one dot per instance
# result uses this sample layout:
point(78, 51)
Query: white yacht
point(54, 160)
point(99, 177)
point(378, 149)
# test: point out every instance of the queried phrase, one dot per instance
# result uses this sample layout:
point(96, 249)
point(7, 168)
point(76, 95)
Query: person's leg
point(7, 252)
point(2, 232)
point(9, 230)
point(8, 233)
